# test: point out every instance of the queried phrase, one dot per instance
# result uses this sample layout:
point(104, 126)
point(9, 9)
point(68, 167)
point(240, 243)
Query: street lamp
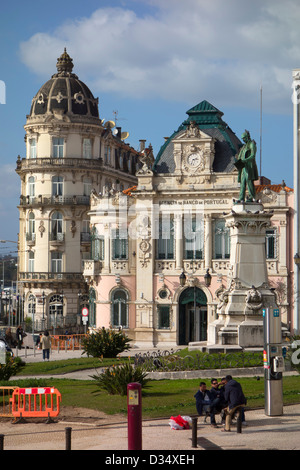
point(182, 279)
point(207, 278)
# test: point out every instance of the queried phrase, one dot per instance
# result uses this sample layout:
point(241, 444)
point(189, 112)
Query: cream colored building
point(70, 151)
point(171, 229)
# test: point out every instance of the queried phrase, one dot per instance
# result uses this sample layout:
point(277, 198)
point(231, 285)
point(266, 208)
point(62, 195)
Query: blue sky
point(151, 61)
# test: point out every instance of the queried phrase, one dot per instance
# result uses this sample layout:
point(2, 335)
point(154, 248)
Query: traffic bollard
point(239, 421)
point(134, 416)
point(68, 438)
point(194, 432)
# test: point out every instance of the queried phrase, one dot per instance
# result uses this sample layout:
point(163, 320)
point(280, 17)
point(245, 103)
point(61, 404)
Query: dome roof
point(65, 93)
point(209, 119)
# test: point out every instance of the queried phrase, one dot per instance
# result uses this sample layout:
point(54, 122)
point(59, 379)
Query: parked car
point(8, 348)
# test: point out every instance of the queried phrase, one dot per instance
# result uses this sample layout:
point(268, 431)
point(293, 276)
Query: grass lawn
point(161, 398)
point(64, 366)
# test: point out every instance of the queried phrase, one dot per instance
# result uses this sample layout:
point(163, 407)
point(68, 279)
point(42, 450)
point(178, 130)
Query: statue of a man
point(246, 165)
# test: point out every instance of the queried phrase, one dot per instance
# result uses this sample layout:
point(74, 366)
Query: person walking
point(20, 335)
point(46, 345)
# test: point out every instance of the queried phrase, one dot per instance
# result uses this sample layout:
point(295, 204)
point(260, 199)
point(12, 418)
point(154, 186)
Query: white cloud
point(188, 51)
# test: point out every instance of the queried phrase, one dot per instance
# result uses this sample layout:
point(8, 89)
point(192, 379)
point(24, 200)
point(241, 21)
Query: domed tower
point(69, 153)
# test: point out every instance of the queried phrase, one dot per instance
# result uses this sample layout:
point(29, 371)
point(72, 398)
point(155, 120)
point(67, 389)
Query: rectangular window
point(107, 154)
point(97, 248)
point(87, 148)
point(31, 187)
point(193, 237)
point(163, 316)
point(58, 147)
point(56, 262)
point(119, 244)
point(165, 242)
point(271, 251)
point(57, 186)
point(87, 186)
point(31, 262)
point(32, 148)
point(221, 240)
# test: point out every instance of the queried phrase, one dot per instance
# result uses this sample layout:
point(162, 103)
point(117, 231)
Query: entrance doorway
point(192, 316)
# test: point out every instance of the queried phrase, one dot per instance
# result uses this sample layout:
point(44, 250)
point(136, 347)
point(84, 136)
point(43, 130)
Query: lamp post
point(207, 278)
point(43, 318)
point(182, 279)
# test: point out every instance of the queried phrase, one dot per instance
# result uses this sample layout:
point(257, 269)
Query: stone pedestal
point(240, 320)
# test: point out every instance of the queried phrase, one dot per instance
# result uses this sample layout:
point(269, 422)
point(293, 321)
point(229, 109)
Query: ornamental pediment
point(194, 151)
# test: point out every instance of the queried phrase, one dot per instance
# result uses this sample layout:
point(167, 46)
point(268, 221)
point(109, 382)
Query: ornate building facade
point(70, 151)
point(161, 252)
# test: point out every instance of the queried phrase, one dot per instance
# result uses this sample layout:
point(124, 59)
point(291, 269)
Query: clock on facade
point(193, 159)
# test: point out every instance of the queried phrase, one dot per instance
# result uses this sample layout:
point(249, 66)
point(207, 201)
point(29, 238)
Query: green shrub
point(116, 378)
point(10, 368)
point(105, 343)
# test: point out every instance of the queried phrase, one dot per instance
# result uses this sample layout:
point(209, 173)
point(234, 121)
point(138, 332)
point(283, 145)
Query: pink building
point(161, 251)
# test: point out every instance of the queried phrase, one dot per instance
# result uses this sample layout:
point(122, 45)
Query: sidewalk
point(261, 433)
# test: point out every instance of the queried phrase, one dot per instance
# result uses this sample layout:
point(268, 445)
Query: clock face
point(193, 159)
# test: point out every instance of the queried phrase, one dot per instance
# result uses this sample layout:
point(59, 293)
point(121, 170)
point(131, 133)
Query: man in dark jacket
point(218, 400)
point(204, 402)
point(235, 397)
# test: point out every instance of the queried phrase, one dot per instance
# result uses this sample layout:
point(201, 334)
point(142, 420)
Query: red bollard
point(134, 416)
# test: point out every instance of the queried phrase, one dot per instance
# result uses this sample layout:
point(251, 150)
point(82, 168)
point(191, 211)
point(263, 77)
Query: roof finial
point(64, 63)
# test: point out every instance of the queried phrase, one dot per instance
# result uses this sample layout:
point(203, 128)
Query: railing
point(28, 163)
point(169, 361)
point(91, 268)
point(54, 200)
point(44, 276)
point(67, 342)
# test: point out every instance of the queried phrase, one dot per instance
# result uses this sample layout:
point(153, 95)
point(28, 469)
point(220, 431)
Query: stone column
point(207, 241)
point(241, 322)
point(179, 241)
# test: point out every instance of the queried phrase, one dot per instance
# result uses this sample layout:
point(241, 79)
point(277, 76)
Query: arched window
point(30, 235)
point(31, 307)
point(56, 226)
point(56, 310)
point(31, 187)
point(119, 308)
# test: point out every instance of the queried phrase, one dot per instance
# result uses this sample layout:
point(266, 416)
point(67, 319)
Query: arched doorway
point(192, 316)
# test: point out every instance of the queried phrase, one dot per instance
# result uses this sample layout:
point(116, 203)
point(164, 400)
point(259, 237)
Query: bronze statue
point(247, 168)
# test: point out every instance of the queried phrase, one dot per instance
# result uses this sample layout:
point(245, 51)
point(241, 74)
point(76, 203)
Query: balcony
point(40, 200)
point(56, 239)
point(50, 163)
point(30, 238)
point(46, 276)
point(91, 269)
point(85, 238)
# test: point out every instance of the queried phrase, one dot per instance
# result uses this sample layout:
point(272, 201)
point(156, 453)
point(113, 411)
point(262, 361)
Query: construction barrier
point(67, 342)
point(5, 401)
point(37, 402)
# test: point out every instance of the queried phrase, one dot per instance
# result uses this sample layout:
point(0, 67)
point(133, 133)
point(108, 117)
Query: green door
point(192, 316)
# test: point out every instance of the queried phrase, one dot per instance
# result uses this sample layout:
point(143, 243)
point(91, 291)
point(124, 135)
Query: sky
point(148, 62)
